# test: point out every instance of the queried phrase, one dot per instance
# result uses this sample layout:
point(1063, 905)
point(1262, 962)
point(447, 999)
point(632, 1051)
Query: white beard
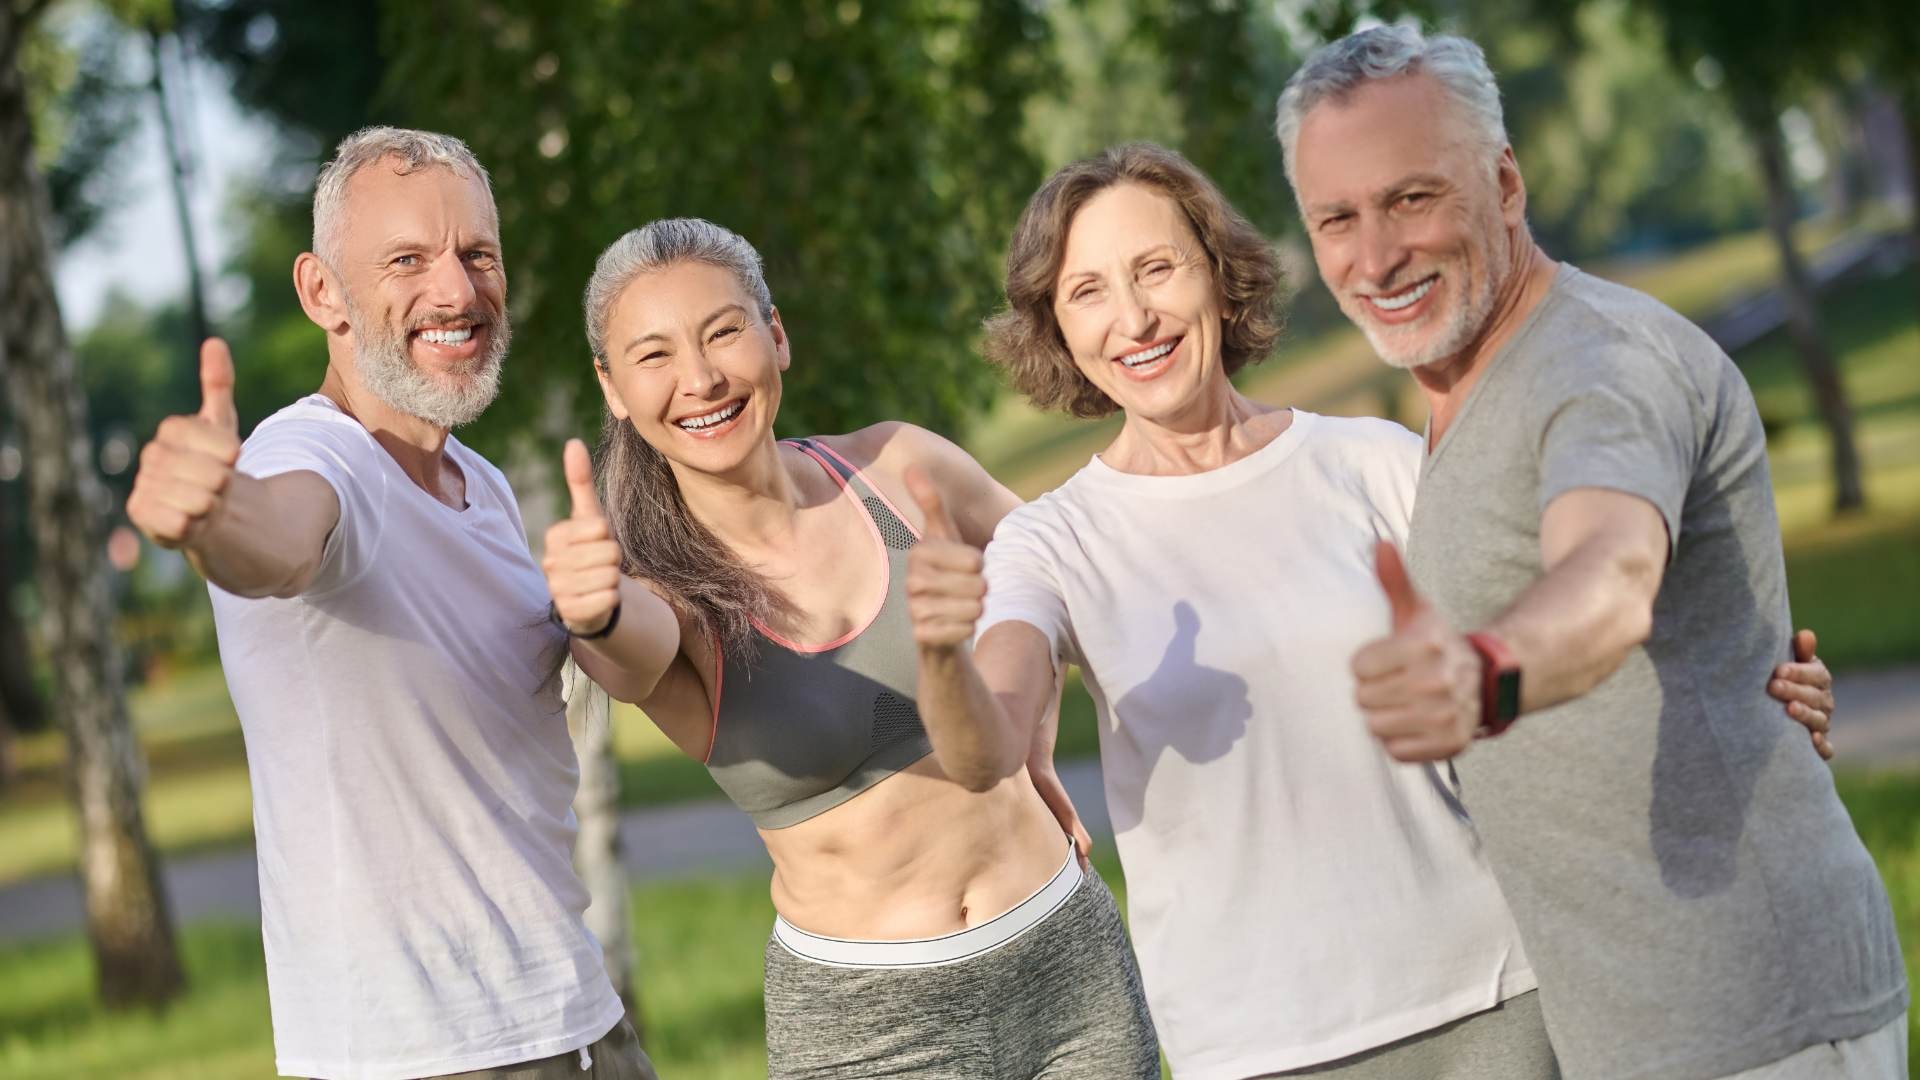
point(445, 401)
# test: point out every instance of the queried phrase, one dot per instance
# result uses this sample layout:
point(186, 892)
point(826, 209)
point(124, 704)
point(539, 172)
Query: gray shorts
point(1877, 1055)
point(1057, 997)
point(1506, 1042)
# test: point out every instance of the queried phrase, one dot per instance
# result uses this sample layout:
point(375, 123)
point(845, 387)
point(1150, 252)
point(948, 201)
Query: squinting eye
point(1158, 269)
point(725, 331)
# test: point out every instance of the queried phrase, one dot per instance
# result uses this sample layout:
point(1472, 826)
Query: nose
point(698, 376)
point(1134, 318)
point(1379, 253)
point(449, 284)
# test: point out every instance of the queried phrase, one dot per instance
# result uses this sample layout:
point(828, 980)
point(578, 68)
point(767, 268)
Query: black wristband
point(613, 620)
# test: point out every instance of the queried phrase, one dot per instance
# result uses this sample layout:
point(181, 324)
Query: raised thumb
point(216, 385)
point(1392, 572)
point(579, 469)
point(939, 524)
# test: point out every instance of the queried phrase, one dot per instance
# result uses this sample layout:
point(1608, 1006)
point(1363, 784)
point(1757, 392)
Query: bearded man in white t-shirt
point(384, 634)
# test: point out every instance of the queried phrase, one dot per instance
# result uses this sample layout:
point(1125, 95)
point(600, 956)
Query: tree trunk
point(1910, 115)
point(127, 916)
point(198, 328)
point(596, 852)
point(1796, 288)
point(20, 706)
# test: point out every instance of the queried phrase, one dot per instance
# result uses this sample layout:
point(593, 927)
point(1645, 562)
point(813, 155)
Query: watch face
point(1506, 695)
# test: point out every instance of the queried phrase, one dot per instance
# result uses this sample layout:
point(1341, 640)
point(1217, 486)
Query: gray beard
point(1469, 317)
point(389, 374)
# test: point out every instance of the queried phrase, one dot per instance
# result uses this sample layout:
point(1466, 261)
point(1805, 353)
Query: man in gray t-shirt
point(1595, 505)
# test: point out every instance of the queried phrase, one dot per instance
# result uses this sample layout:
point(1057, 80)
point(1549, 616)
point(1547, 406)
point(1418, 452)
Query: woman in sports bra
point(750, 595)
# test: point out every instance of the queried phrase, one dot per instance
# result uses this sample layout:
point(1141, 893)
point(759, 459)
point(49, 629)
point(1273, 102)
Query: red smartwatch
point(1499, 684)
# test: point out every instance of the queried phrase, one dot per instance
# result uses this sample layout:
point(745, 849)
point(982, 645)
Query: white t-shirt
point(1295, 896)
point(412, 777)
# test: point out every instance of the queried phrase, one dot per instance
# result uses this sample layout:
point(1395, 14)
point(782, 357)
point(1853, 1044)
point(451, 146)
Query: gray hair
point(658, 245)
point(660, 539)
point(1338, 68)
point(412, 150)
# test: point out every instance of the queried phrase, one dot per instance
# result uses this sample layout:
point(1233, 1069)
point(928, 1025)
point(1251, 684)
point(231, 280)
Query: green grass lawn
point(699, 943)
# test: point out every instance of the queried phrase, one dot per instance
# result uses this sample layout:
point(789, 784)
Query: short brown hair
point(1025, 338)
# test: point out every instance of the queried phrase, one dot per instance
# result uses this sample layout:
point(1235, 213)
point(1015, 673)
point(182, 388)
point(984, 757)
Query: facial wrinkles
point(1472, 275)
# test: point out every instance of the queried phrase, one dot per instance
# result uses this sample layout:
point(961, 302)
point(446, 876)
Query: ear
point(1513, 188)
point(779, 333)
point(322, 294)
point(614, 405)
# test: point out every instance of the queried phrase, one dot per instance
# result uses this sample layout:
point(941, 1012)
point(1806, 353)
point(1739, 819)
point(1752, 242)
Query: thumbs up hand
point(945, 587)
point(186, 468)
point(1419, 687)
point(582, 559)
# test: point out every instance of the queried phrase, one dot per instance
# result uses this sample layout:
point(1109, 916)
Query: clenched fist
point(186, 468)
point(945, 588)
point(582, 559)
point(1419, 686)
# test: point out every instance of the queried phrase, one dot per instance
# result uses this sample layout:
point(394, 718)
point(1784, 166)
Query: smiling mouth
point(718, 416)
point(447, 335)
point(1142, 357)
point(1405, 298)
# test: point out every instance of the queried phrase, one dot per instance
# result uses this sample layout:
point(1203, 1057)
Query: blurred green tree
point(1884, 37)
point(128, 922)
point(872, 152)
point(1763, 54)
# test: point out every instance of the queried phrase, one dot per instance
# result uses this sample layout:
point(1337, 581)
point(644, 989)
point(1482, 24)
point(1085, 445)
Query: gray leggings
point(1061, 1001)
point(1506, 1042)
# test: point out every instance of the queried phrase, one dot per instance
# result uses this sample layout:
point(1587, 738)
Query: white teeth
point(695, 423)
point(1405, 299)
point(447, 337)
point(1148, 356)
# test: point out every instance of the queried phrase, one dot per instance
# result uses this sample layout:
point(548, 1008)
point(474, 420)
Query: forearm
point(630, 661)
point(1575, 626)
point(267, 538)
point(973, 736)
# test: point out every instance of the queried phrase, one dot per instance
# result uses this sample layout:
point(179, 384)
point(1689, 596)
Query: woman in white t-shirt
point(1300, 903)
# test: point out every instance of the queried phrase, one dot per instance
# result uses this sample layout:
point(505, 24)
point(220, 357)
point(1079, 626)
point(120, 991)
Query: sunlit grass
point(699, 945)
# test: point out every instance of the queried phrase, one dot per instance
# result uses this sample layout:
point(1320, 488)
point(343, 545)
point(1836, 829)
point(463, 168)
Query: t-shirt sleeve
point(1391, 466)
point(1023, 583)
point(343, 459)
point(1621, 418)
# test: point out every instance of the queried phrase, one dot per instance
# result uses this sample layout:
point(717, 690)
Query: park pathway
point(1879, 726)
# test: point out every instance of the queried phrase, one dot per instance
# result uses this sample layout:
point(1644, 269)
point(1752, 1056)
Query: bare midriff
point(915, 856)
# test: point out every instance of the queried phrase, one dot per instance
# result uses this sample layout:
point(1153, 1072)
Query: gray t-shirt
point(1689, 886)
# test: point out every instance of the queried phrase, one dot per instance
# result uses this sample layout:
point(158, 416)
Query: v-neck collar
point(1431, 451)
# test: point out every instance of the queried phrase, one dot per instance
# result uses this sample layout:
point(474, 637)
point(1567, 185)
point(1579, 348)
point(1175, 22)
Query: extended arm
point(582, 564)
point(1604, 553)
point(252, 537)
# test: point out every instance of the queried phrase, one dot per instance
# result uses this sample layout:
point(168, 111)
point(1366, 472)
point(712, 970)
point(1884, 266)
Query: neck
point(1446, 383)
point(750, 508)
point(418, 447)
point(1218, 431)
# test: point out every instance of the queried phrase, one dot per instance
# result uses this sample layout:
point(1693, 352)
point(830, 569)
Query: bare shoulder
point(884, 452)
point(892, 445)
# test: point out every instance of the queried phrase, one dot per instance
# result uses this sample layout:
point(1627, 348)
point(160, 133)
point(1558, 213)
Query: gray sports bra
point(804, 728)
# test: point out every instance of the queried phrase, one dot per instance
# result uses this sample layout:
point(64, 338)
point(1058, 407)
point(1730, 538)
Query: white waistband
point(928, 952)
